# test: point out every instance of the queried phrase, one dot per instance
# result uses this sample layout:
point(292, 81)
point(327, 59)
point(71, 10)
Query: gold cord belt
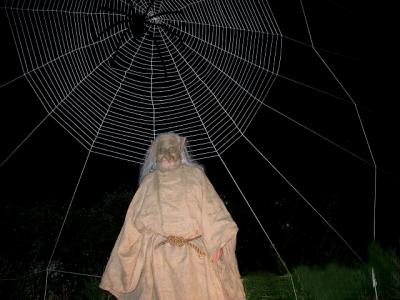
point(180, 241)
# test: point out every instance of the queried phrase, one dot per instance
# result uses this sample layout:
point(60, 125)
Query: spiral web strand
point(196, 73)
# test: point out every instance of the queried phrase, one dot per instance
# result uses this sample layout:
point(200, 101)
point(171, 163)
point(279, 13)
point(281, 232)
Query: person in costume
point(178, 240)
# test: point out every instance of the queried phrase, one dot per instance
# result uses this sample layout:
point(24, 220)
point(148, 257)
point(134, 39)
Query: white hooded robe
point(180, 202)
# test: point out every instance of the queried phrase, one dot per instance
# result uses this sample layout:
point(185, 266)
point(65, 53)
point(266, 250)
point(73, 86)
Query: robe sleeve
point(220, 231)
point(125, 263)
point(218, 227)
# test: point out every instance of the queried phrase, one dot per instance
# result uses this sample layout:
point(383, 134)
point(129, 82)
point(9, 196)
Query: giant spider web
point(114, 85)
point(114, 74)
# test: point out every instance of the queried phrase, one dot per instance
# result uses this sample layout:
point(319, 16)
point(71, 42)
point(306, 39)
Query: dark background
point(38, 181)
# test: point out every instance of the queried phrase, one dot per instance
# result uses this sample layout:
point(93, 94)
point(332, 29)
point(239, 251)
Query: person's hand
point(217, 255)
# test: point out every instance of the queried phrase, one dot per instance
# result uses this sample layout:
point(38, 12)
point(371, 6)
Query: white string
point(220, 26)
point(151, 89)
point(50, 11)
point(77, 273)
point(357, 112)
point(374, 283)
point(319, 48)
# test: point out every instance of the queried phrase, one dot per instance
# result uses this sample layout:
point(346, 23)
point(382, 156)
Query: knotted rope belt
point(180, 242)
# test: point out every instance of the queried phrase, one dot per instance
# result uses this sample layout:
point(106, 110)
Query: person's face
point(168, 152)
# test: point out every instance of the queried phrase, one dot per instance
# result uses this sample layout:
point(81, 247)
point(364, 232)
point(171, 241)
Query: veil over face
point(168, 151)
point(150, 163)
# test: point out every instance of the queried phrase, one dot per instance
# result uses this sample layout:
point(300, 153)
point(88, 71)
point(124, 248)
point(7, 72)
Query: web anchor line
point(374, 281)
point(77, 273)
point(356, 108)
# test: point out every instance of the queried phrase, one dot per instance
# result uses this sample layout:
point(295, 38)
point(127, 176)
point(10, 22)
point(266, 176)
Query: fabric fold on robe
point(127, 258)
point(220, 231)
point(181, 202)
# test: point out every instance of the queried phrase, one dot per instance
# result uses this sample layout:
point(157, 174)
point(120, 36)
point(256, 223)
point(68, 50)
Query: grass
point(387, 270)
point(264, 285)
point(331, 282)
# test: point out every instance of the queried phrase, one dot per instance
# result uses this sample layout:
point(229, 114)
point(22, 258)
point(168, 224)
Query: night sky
point(340, 186)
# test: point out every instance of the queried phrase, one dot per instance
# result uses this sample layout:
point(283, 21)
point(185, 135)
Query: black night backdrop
point(38, 180)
